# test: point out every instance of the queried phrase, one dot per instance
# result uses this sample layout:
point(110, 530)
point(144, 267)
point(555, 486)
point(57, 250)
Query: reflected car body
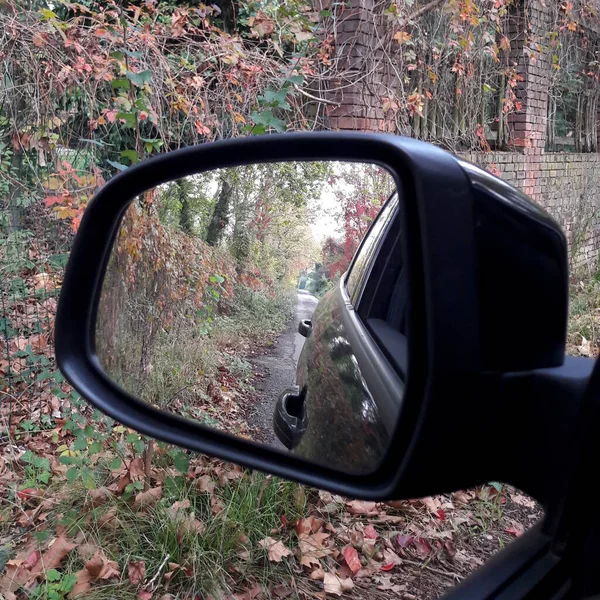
point(332, 415)
point(344, 425)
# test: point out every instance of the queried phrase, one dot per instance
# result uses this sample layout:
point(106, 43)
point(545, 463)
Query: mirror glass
point(222, 302)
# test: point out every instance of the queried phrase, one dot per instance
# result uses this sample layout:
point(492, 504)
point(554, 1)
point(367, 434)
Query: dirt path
point(277, 368)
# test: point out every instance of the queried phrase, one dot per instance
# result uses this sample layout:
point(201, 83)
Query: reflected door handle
point(290, 419)
point(305, 327)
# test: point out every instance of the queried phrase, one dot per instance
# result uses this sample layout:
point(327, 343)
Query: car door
point(346, 427)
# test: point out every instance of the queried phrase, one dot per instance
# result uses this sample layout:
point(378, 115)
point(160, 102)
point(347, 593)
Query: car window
point(367, 252)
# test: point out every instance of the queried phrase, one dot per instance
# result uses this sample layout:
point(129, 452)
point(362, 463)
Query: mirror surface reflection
point(231, 297)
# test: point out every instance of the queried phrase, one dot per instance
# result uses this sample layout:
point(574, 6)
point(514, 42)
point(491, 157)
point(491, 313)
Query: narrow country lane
point(279, 367)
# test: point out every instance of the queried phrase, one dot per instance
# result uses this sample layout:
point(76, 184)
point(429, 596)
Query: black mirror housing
point(470, 242)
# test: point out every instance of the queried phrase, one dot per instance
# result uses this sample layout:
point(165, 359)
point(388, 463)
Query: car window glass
point(363, 261)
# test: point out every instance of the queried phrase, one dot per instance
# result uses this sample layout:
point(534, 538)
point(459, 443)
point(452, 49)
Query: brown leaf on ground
point(423, 547)
point(335, 585)
point(144, 594)
point(523, 500)
point(312, 548)
point(516, 530)
point(136, 469)
point(52, 558)
point(463, 497)
point(99, 497)
point(317, 574)
point(352, 560)
point(397, 504)
point(361, 507)
point(97, 567)
point(178, 508)
point(136, 571)
point(256, 591)
point(276, 550)
point(205, 484)
point(147, 498)
point(109, 519)
point(433, 504)
point(390, 557)
point(308, 525)
point(14, 577)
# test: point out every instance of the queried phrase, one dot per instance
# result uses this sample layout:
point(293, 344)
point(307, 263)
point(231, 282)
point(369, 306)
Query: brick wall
point(566, 184)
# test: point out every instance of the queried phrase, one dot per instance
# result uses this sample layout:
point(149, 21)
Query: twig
point(424, 9)
point(432, 569)
point(316, 98)
point(162, 564)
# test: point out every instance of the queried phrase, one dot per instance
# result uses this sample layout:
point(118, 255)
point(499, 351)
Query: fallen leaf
point(370, 532)
point(144, 594)
point(136, 469)
point(205, 484)
point(390, 557)
point(463, 497)
point(332, 584)
point(423, 547)
point(276, 550)
point(308, 525)
point(352, 560)
point(52, 558)
point(312, 548)
point(516, 530)
point(523, 500)
point(433, 504)
point(99, 497)
point(147, 498)
point(361, 507)
point(109, 519)
point(255, 591)
point(136, 571)
point(317, 574)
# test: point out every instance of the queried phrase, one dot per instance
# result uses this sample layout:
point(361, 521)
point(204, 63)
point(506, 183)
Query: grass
point(215, 559)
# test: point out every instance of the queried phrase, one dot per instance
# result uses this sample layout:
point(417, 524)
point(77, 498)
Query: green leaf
point(267, 120)
point(139, 446)
point(94, 448)
point(130, 438)
point(72, 474)
point(115, 464)
point(128, 117)
point(181, 461)
point(117, 54)
point(52, 575)
point(497, 486)
point(88, 478)
point(44, 375)
point(68, 582)
point(140, 78)
point(80, 443)
point(117, 165)
point(130, 155)
point(120, 84)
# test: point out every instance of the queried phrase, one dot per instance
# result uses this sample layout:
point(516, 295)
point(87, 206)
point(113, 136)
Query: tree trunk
point(220, 216)
point(185, 213)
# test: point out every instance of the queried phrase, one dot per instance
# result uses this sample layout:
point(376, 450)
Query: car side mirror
point(475, 261)
point(304, 327)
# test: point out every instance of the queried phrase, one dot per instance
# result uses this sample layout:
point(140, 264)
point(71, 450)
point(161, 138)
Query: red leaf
point(388, 567)
point(370, 532)
point(52, 200)
point(404, 540)
point(516, 530)
point(423, 546)
point(441, 514)
point(352, 560)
